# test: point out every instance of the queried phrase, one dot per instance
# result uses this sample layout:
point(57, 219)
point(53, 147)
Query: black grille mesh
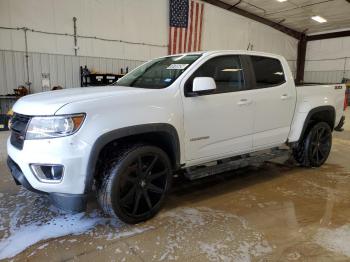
point(19, 124)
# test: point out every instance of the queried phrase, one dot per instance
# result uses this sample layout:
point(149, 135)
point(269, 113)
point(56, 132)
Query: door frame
point(248, 83)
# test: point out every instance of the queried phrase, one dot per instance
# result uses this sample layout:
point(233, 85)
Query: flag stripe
point(180, 40)
point(175, 39)
point(185, 41)
point(169, 46)
point(200, 29)
point(196, 28)
point(191, 29)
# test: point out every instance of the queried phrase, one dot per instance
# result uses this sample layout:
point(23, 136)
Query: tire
point(135, 183)
point(315, 147)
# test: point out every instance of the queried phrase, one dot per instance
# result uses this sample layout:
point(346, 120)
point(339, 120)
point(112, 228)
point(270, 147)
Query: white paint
point(335, 240)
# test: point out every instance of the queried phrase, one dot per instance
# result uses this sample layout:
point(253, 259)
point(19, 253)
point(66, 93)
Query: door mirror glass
point(203, 84)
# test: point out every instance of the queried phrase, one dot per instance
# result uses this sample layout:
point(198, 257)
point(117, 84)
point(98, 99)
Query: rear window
point(268, 71)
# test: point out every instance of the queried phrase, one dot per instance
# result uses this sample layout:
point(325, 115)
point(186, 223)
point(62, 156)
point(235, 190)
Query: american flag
point(186, 21)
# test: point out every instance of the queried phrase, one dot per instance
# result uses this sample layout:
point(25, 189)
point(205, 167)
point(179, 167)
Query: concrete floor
point(272, 213)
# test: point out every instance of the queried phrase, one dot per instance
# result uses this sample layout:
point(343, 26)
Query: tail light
point(346, 100)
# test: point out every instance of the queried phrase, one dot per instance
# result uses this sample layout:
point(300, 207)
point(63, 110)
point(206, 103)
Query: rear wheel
point(314, 149)
point(135, 183)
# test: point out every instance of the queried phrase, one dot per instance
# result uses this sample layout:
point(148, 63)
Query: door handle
point(244, 101)
point(285, 97)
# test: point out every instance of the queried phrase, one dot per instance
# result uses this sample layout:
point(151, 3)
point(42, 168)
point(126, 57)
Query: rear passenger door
point(274, 100)
point(218, 124)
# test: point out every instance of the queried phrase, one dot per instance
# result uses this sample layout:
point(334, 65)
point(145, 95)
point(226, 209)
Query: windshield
point(158, 73)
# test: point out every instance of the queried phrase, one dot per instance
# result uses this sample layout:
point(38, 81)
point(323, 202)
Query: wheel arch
point(165, 135)
point(318, 114)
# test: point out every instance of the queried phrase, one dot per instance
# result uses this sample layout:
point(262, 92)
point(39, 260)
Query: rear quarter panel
point(313, 96)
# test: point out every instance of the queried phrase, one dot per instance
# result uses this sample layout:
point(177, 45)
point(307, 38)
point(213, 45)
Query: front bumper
point(70, 152)
point(68, 202)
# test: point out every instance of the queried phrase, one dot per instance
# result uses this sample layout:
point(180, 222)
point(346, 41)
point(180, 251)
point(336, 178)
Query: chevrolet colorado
point(186, 112)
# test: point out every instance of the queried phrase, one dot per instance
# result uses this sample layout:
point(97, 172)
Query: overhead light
point(319, 19)
point(281, 1)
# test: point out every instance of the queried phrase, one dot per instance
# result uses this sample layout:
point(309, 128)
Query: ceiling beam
point(328, 35)
point(257, 18)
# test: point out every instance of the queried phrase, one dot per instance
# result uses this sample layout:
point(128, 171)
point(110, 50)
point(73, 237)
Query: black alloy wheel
point(136, 184)
point(320, 144)
point(313, 150)
point(143, 184)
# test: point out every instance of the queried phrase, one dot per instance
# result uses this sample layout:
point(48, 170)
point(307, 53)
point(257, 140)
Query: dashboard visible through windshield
point(158, 73)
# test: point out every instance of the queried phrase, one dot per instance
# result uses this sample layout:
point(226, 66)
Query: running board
point(229, 165)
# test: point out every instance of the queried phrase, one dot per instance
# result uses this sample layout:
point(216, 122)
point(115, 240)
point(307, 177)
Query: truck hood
point(49, 103)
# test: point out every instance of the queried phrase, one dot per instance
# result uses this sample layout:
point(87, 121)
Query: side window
point(226, 71)
point(268, 71)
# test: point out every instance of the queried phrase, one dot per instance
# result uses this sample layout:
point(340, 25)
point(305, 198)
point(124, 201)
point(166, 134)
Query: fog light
point(48, 173)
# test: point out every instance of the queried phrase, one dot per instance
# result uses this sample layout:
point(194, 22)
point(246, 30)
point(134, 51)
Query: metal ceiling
point(296, 14)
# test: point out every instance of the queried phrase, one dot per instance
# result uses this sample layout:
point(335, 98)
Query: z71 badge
point(338, 87)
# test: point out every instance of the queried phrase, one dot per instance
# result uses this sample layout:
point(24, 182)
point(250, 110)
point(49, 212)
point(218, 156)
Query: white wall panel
point(328, 61)
point(136, 21)
point(226, 30)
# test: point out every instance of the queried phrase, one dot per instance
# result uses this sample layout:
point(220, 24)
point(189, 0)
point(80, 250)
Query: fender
point(106, 138)
point(313, 111)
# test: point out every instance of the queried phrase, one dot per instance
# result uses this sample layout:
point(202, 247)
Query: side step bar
point(194, 173)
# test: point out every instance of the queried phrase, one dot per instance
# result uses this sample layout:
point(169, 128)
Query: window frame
point(252, 71)
point(245, 75)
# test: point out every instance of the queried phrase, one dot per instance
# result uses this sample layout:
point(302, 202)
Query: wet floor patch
point(209, 233)
point(28, 223)
point(335, 239)
point(27, 219)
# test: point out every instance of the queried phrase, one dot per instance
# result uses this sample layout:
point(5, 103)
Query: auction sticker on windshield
point(177, 66)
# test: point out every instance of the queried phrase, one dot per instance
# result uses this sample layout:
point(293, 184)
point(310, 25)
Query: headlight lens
point(54, 126)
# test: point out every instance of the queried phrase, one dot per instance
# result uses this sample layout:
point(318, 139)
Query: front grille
point(19, 124)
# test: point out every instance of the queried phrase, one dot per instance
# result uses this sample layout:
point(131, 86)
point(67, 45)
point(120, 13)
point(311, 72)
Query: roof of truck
point(242, 52)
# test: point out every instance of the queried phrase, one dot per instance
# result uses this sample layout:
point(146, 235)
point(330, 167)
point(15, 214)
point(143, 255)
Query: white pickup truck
point(198, 113)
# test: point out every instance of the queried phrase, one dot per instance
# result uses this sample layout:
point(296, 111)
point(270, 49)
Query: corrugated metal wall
point(335, 76)
point(327, 70)
point(63, 69)
point(328, 61)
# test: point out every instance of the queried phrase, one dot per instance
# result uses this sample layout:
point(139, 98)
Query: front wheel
point(135, 183)
point(314, 149)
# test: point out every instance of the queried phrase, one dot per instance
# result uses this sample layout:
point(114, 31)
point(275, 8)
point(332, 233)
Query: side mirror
point(203, 85)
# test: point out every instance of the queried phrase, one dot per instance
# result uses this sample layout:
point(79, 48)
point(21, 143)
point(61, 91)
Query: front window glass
point(158, 73)
point(226, 71)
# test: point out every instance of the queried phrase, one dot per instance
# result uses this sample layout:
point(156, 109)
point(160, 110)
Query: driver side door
point(218, 124)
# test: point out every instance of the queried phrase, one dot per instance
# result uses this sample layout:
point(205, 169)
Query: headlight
point(54, 126)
